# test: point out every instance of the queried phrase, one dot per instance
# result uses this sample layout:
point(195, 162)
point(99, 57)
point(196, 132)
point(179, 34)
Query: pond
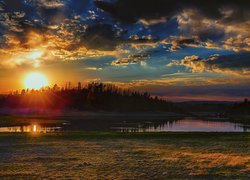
point(182, 125)
point(186, 125)
point(35, 128)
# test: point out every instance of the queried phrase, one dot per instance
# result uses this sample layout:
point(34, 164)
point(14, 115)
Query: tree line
point(93, 96)
point(108, 97)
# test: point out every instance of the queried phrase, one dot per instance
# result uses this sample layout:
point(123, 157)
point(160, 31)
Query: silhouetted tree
point(95, 96)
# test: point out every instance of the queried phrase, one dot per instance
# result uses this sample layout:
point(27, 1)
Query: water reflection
point(183, 125)
point(186, 125)
point(31, 129)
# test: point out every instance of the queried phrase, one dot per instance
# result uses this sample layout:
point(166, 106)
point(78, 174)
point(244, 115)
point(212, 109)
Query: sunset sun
point(35, 80)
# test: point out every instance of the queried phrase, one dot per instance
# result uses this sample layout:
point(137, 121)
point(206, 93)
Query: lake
point(181, 125)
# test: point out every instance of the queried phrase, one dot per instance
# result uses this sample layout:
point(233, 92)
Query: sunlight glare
point(35, 81)
point(35, 54)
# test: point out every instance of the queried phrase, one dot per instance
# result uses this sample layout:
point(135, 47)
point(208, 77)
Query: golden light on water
point(34, 128)
point(35, 81)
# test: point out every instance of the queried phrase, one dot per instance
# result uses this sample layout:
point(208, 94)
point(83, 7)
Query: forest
point(97, 96)
point(93, 96)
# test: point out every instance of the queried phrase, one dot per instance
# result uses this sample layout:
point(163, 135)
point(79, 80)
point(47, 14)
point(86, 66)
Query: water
point(34, 128)
point(183, 125)
point(186, 126)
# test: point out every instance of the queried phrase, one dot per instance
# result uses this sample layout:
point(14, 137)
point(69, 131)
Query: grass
point(110, 155)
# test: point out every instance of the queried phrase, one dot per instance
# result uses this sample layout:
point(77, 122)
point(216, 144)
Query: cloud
point(150, 22)
point(177, 88)
point(237, 64)
point(193, 23)
point(94, 68)
point(131, 11)
point(51, 4)
point(131, 59)
point(12, 5)
point(52, 47)
point(211, 22)
point(178, 42)
point(100, 36)
point(238, 43)
point(188, 80)
point(51, 27)
point(73, 30)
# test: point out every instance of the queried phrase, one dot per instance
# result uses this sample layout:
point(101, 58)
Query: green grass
point(110, 155)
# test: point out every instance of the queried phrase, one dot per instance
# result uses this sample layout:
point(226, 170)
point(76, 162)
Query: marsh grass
point(77, 155)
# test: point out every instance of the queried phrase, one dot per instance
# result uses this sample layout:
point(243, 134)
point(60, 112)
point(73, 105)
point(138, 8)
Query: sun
point(35, 81)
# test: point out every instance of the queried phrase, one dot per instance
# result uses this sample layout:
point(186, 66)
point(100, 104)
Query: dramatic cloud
point(134, 10)
point(131, 11)
point(68, 29)
point(238, 43)
point(207, 20)
point(233, 64)
point(101, 36)
point(178, 42)
point(194, 24)
point(37, 48)
point(129, 40)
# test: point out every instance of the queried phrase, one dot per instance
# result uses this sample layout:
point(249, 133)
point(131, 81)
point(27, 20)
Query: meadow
point(111, 155)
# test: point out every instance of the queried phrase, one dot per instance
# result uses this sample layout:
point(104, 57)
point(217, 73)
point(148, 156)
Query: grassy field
point(79, 155)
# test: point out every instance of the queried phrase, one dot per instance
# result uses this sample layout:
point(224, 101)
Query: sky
point(179, 50)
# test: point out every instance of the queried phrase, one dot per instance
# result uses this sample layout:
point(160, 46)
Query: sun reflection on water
point(34, 128)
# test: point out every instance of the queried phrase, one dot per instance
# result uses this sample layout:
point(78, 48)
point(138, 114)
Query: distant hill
point(208, 102)
point(220, 107)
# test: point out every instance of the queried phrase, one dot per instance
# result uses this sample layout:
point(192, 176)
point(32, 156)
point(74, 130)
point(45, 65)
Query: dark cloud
point(132, 10)
point(106, 6)
point(52, 15)
point(13, 5)
point(214, 8)
point(236, 61)
point(187, 41)
point(179, 42)
point(100, 36)
point(208, 20)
